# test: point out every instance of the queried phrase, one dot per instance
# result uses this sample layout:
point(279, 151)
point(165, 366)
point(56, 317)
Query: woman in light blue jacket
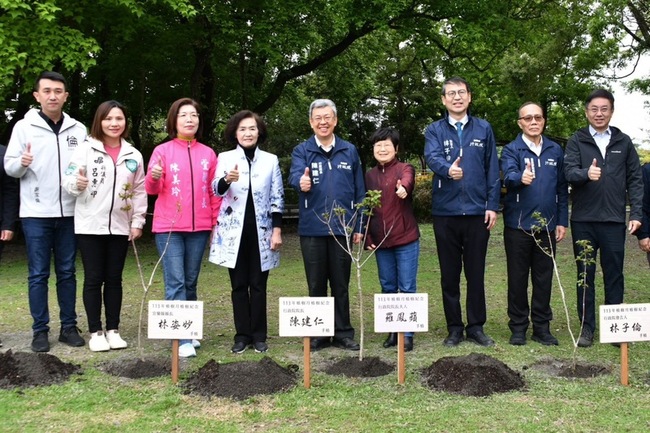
point(248, 235)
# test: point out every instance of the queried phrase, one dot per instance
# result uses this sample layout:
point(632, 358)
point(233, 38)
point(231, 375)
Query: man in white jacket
point(38, 153)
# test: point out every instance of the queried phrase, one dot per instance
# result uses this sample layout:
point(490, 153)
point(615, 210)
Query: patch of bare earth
point(241, 380)
point(474, 375)
point(138, 368)
point(352, 367)
point(26, 369)
point(566, 368)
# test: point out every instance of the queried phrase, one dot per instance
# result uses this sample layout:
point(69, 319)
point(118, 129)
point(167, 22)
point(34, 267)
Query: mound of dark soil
point(352, 367)
point(25, 369)
point(554, 367)
point(240, 380)
point(475, 375)
point(137, 368)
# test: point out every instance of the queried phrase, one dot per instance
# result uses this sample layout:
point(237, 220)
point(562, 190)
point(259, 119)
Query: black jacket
point(603, 200)
point(8, 196)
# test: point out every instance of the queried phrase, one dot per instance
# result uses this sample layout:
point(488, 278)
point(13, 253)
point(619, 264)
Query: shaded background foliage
point(381, 61)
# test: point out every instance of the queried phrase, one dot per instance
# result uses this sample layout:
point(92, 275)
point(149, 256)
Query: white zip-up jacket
point(41, 193)
point(115, 200)
point(264, 178)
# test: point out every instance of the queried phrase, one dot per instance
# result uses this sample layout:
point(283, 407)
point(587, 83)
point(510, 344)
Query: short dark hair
point(600, 93)
point(526, 104)
point(172, 116)
point(102, 111)
point(49, 75)
point(230, 133)
point(385, 134)
point(455, 80)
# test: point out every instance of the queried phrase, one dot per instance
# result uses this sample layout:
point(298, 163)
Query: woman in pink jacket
point(180, 174)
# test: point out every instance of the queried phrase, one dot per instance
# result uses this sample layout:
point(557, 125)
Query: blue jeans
point(44, 236)
point(397, 268)
point(181, 262)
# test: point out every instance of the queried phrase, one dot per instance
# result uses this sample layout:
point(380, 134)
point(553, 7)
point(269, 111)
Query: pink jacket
point(186, 201)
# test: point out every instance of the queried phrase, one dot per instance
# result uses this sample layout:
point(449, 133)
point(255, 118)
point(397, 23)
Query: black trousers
point(249, 284)
point(609, 238)
point(524, 256)
point(325, 261)
point(103, 258)
point(462, 245)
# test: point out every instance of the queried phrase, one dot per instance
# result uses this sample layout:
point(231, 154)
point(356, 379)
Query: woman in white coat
point(248, 234)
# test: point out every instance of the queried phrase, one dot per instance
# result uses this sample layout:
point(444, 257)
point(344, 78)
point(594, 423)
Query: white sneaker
point(196, 344)
point(114, 339)
point(186, 350)
point(98, 342)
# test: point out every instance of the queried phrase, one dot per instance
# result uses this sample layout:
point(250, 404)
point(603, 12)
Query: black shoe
point(453, 339)
point(545, 338)
point(391, 340)
point(518, 338)
point(0, 343)
point(480, 338)
point(260, 347)
point(40, 343)
point(346, 343)
point(318, 343)
point(239, 347)
point(408, 344)
point(71, 337)
point(586, 338)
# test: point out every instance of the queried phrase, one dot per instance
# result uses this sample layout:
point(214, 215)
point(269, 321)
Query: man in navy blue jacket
point(602, 166)
point(643, 234)
point(533, 175)
point(326, 171)
point(461, 151)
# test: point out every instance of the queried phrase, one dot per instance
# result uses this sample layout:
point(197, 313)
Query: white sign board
point(624, 323)
point(402, 312)
point(175, 320)
point(306, 317)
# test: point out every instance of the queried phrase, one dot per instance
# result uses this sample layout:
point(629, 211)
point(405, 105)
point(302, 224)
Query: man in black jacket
point(8, 204)
point(644, 233)
point(602, 166)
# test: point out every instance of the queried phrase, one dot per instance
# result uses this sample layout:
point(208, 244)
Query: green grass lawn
point(97, 402)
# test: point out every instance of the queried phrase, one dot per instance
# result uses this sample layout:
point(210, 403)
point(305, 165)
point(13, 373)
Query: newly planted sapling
point(338, 218)
point(585, 258)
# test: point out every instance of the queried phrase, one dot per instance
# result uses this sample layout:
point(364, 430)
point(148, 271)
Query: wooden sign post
point(306, 317)
point(623, 324)
point(175, 320)
point(400, 313)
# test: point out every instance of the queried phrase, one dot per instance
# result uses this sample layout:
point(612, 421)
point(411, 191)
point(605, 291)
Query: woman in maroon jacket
point(393, 231)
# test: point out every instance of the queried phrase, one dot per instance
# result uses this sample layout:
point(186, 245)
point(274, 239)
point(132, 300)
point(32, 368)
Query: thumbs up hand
point(233, 175)
point(27, 158)
point(400, 190)
point(527, 176)
point(82, 180)
point(594, 171)
point(455, 172)
point(305, 181)
point(157, 170)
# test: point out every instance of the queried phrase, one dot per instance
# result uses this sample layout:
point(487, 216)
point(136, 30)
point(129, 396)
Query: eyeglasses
point(452, 93)
point(192, 116)
point(325, 118)
point(381, 145)
point(538, 118)
point(596, 110)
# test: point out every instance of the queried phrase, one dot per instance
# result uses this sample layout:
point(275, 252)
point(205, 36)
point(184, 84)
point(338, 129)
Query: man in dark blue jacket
point(643, 234)
point(602, 166)
point(533, 175)
point(461, 151)
point(326, 171)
